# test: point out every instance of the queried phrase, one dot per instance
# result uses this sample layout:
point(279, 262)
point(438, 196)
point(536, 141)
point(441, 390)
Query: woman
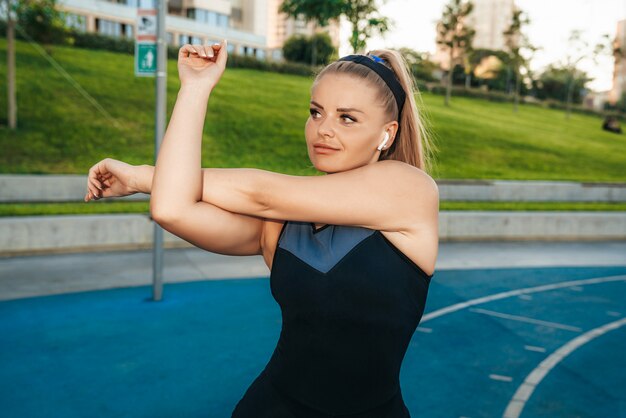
point(351, 253)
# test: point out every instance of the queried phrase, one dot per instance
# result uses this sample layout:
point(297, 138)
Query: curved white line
point(510, 293)
point(523, 393)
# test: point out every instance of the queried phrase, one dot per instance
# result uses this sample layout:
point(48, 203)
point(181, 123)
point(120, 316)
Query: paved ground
point(55, 274)
point(510, 329)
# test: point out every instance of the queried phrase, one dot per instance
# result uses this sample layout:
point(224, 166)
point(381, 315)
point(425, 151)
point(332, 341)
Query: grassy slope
point(256, 119)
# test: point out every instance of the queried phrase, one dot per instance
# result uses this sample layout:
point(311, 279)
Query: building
point(489, 19)
point(252, 27)
point(619, 69)
point(281, 27)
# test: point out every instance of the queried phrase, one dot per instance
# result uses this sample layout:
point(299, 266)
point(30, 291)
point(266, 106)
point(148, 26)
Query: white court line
point(517, 292)
point(534, 348)
point(526, 319)
point(523, 393)
point(501, 378)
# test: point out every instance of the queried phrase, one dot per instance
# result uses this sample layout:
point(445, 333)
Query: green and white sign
point(146, 43)
point(145, 59)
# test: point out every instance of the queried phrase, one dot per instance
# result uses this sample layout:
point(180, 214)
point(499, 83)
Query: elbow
point(160, 214)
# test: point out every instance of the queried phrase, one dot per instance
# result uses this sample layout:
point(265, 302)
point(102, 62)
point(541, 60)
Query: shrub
point(41, 20)
point(299, 48)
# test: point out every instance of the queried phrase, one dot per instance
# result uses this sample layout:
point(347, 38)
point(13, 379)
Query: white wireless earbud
point(380, 147)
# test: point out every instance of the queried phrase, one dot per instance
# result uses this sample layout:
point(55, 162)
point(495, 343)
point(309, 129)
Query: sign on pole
point(151, 61)
point(146, 43)
point(145, 59)
point(159, 132)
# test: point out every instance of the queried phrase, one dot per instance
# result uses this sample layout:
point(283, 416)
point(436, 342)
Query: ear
point(392, 128)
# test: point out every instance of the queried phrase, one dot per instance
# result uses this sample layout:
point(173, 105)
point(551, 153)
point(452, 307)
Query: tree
point(300, 48)
point(561, 83)
point(455, 35)
point(516, 41)
point(420, 64)
point(366, 21)
point(317, 11)
point(41, 20)
point(577, 51)
point(487, 67)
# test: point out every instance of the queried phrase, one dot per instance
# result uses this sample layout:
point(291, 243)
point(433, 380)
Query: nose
point(325, 127)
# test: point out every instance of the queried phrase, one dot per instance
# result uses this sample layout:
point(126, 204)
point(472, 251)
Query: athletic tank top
point(350, 303)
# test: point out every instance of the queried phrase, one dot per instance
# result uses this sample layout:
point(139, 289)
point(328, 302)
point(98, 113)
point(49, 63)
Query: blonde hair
point(412, 144)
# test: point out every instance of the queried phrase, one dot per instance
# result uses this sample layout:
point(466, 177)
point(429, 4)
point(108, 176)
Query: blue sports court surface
point(528, 342)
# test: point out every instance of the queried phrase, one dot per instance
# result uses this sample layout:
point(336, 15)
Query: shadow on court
point(516, 341)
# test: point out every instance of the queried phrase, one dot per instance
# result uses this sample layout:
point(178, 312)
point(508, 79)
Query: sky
point(551, 23)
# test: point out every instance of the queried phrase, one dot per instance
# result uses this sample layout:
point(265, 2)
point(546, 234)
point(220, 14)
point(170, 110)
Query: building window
point(212, 19)
point(108, 27)
point(76, 21)
point(236, 14)
point(209, 17)
point(169, 37)
point(142, 4)
point(127, 30)
point(183, 39)
point(188, 39)
point(223, 21)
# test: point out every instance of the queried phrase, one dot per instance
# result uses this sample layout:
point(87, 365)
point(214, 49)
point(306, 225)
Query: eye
point(350, 118)
point(313, 112)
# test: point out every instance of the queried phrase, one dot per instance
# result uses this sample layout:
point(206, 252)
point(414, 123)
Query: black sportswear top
point(350, 303)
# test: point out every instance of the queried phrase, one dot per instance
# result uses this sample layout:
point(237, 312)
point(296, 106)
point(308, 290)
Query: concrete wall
point(21, 235)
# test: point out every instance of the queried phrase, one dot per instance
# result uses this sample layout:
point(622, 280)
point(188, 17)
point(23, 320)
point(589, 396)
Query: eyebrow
point(339, 109)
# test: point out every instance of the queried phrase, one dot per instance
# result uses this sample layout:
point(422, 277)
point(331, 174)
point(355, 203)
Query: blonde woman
point(351, 253)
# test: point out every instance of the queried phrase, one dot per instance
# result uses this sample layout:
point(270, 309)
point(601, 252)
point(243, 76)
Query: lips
point(325, 147)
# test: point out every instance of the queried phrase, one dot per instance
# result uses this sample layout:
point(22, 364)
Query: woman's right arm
point(204, 225)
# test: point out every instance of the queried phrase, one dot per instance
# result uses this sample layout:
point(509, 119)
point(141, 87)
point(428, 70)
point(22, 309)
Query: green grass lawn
point(256, 119)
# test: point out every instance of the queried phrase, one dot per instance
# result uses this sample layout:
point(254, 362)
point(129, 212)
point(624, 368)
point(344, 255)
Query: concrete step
point(21, 235)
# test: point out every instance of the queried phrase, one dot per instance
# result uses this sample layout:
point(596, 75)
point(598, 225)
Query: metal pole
point(161, 91)
point(12, 103)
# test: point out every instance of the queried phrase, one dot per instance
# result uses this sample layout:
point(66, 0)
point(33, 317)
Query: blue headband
point(376, 64)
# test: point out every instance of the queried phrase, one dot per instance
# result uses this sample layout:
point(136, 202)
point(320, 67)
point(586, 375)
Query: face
point(345, 115)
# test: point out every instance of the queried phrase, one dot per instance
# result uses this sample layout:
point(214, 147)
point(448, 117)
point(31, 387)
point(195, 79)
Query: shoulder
point(410, 197)
point(409, 178)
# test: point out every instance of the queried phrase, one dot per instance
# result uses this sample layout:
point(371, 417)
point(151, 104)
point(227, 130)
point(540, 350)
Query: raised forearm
point(234, 189)
point(177, 180)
